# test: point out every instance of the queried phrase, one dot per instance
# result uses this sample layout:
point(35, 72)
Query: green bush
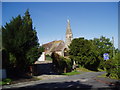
point(113, 67)
point(5, 81)
point(61, 64)
point(109, 65)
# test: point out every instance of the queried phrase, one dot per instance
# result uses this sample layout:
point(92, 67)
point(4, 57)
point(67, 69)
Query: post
point(113, 47)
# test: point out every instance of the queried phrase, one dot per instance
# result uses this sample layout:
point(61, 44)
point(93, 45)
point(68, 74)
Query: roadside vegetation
point(48, 57)
point(20, 47)
point(6, 81)
point(113, 67)
point(89, 54)
point(61, 64)
point(78, 70)
point(74, 72)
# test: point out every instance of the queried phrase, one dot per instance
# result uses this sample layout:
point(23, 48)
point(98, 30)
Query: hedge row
point(61, 64)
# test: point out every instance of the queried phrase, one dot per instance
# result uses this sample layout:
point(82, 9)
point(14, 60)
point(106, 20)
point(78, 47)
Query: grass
point(77, 71)
point(48, 58)
point(71, 73)
point(101, 70)
point(36, 78)
point(82, 69)
point(5, 81)
point(104, 76)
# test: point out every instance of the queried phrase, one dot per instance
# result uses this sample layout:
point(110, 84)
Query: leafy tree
point(103, 45)
point(113, 67)
point(84, 53)
point(21, 42)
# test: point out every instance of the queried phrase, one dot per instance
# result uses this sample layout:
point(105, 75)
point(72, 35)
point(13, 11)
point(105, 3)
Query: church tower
point(69, 35)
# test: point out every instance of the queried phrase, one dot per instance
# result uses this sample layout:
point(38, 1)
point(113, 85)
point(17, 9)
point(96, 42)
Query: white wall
point(42, 57)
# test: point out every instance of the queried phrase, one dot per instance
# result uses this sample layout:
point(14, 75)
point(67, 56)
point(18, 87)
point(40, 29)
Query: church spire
point(68, 31)
point(69, 34)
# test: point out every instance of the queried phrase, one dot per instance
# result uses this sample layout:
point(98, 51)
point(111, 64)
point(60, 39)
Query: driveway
point(85, 80)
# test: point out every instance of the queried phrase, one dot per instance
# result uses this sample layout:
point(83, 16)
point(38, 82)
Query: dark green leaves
point(20, 41)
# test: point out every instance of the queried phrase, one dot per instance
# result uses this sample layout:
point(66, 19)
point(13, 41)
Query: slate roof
point(54, 46)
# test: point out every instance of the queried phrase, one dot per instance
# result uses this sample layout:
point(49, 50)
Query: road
point(85, 80)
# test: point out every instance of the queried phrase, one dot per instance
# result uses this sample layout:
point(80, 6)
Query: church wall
point(60, 53)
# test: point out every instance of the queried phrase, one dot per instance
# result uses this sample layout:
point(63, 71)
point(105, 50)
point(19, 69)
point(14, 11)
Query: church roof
point(54, 46)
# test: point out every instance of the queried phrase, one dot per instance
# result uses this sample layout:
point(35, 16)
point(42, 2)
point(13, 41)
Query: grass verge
point(6, 81)
point(104, 76)
point(82, 69)
point(71, 73)
point(77, 71)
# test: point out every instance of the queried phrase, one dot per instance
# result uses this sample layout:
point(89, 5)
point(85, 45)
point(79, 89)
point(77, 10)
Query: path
point(85, 80)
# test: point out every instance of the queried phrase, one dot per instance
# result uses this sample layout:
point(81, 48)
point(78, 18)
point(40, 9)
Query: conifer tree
point(20, 42)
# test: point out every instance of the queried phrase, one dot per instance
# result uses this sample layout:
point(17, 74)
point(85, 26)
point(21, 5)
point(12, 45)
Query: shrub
point(61, 64)
point(5, 81)
point(113, 67)
point(109, 65)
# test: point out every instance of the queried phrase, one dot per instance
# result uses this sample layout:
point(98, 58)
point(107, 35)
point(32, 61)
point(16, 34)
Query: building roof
point(54, 46)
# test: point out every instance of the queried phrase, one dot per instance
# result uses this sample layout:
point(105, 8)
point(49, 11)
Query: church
point(60, 47)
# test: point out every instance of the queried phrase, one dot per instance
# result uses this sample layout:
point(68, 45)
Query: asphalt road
point(86, 80)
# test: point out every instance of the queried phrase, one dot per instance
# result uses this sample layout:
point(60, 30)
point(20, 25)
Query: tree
point(113, 67)
point(21, 42)
point(84, 53)
point(103, 45)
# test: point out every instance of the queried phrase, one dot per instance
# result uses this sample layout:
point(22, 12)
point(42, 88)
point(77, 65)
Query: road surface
point(86, 80)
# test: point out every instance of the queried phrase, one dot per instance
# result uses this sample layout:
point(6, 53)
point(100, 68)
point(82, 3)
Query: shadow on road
point(62, 85)
point(115, 85)
point(54, 85)
point(70, 84)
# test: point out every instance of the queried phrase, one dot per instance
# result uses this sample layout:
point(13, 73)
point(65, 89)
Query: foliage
point(5, 58)
point(84, 53)
point(41, 49)
point(20, 42)
point(5, 81)
point(82, 69)
point(113, 67)
point(48, 57)
point(103, 45)
point(89, 53)
point(61, 64)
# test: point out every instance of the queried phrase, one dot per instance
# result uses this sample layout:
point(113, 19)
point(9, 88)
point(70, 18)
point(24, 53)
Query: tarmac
point(88, 80)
